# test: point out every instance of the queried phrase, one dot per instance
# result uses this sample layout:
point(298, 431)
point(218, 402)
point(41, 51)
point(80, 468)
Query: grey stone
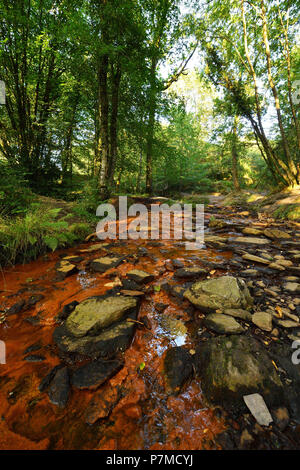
point(222, 324)
point(263, 320)
point(258, 408)
point(96, 313)
point(220, 293)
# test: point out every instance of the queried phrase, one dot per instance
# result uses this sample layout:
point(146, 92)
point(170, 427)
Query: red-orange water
point(143, 416)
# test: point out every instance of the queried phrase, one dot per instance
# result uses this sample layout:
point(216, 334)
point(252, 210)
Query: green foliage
point(15, 196)
point(88, 201)
point(288, 211)
point(24, 238)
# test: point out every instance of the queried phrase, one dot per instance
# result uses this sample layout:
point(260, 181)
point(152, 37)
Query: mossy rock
point(233, 366)
point(96, 313)
point(220, 293)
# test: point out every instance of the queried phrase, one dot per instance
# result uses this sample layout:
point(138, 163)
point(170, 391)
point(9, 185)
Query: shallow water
point(142, 416)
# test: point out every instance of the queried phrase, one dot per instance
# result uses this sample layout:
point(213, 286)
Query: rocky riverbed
point(144, 345)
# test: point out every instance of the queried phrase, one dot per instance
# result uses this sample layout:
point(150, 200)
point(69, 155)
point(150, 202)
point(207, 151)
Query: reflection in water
point(174, 329)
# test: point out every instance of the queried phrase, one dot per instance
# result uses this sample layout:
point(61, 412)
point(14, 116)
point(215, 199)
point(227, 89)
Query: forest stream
point(137, 405)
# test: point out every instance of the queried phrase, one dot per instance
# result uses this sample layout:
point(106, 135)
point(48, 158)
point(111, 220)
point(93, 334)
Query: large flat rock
point(223, 324)
point(96, 313)
point(92, 375)
point(249, 241)
point(106, 344)
point(219, 294)
point(100, 265)
point(237, 365)
point(177, 369)
point(59, 387)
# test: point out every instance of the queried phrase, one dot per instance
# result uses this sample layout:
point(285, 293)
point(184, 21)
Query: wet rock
point(251, 231)
point(250, 272)
point(174, 290)
point(100, 265)
point(142, 251)
point(177, 369)
point(16, 308)
point(292, 286)
point(190, 273)
point(45, 382)
point(220, 293)
point(96, 313)
point(34, 358)
point(67, 310)
point(284, 262)
point(95, 247)
point(216, 223)
point(33, 347)
point(255, 259)
point(59, 388)
point(238, 313)
point(94, 374)
point(65, 269)
point(249, 241)
point(106, 344)
point(287, 323)
point(222, 324)
point(276, 234)
point(294, 270)
point(177, 263)
point(258, 408)
point(234, 366)
point(160, 307)
point(139, 276)
point(34, 320)
point(215, 241)
point(129, 284)
point(73, 259)
point(132, 293)
point(246, 440)
point(276, 266)
point(34, 299)
point(101, 404)
point(281, 417)
point(263, 320)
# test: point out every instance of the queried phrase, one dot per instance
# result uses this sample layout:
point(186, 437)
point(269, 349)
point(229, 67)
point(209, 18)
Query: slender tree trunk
point(289, 161)
point(138, 182)
point(113, 123)
point(279, 168)
point(151, 122)
point(234, 153)
point(286, 48)
point(103, 117)
point(67, 165)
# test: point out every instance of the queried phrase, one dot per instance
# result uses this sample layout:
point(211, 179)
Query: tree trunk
point(150, 130)
point(113, 123)
point(103, 111)
point(234, 153)
point(291, 166)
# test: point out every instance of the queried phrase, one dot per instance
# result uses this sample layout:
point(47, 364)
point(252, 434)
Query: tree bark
point(234, 153)
point(103, 111)
point(150, 130)
point(291, 166)
point(113, 123)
